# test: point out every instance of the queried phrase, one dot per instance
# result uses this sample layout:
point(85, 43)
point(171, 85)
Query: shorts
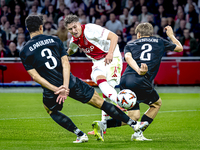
point(81, 91)
point(141, 86)
point(111, 71)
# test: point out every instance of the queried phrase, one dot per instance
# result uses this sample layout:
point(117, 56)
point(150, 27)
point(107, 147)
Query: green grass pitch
point(25, 125)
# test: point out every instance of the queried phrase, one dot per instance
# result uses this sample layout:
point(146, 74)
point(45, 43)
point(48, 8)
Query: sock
point(104, 115)
point(107, 90)
point(116, 113)
point(65, 122)
point(113, 123)
point(146, 118)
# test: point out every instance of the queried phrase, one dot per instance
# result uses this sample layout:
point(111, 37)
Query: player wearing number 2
point(45, 59)
point(143, 57)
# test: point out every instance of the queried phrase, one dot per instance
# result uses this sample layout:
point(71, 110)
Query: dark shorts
point(141, 86)
point(81, 91)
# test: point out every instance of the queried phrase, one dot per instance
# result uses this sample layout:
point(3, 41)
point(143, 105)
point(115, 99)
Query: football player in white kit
point(100, 45)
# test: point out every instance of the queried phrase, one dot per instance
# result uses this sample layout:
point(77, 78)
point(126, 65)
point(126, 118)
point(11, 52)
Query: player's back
point(148, 50)
point(43, 53)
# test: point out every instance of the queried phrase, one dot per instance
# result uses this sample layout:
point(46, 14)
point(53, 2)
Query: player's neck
point(35, 34)
point(144, 36)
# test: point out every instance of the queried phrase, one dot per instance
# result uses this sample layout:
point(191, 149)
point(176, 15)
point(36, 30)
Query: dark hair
point(70, 18)
point(33, 22)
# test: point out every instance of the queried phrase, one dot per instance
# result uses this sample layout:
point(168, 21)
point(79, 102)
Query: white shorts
point(112, 71)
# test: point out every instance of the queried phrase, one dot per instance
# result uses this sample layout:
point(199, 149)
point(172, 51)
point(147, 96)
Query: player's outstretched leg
point(67, 123)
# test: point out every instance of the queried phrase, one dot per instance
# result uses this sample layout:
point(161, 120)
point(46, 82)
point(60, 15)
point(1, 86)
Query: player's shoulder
point(92, 30)
point(91, 25)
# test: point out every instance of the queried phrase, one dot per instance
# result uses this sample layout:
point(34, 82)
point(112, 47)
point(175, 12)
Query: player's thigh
point(81, 91)
point(50, 103)
point(113, 70)
point(156, 104)
point(96, 100)
point(152, 98)
point(98, 70)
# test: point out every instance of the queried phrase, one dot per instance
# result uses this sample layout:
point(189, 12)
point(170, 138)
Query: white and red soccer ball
point(126, 99)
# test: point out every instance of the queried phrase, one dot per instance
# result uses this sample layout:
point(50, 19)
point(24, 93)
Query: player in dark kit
point(143, 57)
point(45, 59)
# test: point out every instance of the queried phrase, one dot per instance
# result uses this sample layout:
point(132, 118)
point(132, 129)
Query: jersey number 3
point(49, 56)
point(149, 48)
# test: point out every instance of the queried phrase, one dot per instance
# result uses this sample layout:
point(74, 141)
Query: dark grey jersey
point(43, 53)
point(148, 50)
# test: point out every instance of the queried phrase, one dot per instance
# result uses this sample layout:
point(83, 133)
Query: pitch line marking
point(92, 115)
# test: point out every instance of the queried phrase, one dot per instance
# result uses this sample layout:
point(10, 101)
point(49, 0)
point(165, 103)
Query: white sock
point(104, 116)
point(107, 90)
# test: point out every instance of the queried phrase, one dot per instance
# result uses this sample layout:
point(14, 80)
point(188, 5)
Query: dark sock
point(113, 123)
point(146, 118)
point(65, 122)
point(116, 113)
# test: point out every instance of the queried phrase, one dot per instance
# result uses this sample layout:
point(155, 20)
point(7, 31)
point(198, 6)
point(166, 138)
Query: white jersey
point(93, 41)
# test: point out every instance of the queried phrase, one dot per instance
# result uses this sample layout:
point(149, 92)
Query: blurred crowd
point(119, 16)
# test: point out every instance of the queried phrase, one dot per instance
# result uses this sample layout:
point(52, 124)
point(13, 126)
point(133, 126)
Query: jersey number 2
point(49, 56)
point(149, 48)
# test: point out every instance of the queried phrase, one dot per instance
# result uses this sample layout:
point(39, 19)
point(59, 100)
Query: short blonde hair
point(70, 18)
point(145, 29)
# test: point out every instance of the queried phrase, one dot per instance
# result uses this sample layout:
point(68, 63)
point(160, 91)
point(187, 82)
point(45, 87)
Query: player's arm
point(132, 63)
point(66, 71)
point(170, 34)
point(43, 82)
point(113, 42)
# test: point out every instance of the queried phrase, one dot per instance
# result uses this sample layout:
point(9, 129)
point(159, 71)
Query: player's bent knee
point(48, 110)
point(157, 104)
point(96, 75)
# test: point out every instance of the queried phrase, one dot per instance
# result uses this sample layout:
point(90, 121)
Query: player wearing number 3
point(143, 57)
point(100, 45)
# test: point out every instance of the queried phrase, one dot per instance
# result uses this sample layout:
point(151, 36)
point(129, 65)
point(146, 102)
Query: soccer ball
point(126, 98)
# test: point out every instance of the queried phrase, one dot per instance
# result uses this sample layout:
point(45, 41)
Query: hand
point(108, 58)
point(169, 31)
point(63, 93)
point(143, 69)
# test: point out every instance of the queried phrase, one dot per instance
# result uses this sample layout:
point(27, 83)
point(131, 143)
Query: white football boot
point(81, 139)
point(138, 136)
point(140, 126)
point(99, 127)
